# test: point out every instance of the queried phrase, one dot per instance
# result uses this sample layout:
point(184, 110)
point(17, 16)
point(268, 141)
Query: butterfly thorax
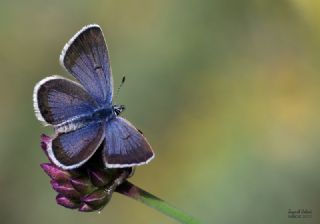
point(102, 114)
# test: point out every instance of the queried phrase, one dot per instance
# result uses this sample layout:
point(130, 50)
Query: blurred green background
point(226, 91)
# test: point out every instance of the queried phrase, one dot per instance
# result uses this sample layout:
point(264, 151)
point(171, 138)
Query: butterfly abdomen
point(78, 122)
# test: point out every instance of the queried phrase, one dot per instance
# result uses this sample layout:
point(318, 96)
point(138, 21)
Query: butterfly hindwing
point(85, 56)
point(124, 145)
point(57, 100)
point(70, 150)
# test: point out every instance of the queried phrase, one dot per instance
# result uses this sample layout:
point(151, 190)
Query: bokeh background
point(227, 92)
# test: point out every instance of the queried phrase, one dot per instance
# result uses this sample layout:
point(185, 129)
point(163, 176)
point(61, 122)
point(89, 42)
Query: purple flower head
point(87, 188)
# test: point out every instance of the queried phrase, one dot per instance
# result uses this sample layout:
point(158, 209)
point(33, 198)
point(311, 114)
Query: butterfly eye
point(118, 109)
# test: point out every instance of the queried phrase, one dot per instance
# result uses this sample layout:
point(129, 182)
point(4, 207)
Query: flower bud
point(100, 178)
point(65, 188)
point(55, 173)
point(97, 199)
point(86, 208)
point(45, 141)
point(82, 184)
point(67, 202)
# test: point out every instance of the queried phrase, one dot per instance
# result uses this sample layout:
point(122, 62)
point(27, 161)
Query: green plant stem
point(132, 191)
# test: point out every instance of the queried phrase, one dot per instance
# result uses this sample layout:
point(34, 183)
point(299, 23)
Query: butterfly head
point(118, 109)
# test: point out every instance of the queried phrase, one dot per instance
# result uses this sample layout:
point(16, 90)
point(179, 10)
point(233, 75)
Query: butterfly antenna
point(121, 84)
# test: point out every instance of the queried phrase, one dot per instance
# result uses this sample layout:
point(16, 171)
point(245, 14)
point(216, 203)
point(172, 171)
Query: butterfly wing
point(71, 150)
point(85, 56)
point(124, 145)
point(57, 100)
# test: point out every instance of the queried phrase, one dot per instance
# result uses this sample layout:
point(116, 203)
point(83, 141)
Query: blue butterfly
point(83, 115)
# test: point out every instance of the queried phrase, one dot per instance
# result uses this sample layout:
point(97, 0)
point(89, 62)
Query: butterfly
point(82, 113)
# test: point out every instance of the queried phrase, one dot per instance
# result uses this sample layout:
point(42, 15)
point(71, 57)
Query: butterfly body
point(98, 115)
point(82, 114)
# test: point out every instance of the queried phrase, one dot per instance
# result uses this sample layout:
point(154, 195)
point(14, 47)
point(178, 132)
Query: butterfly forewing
point(57, 100)
point(124, 145)
point(70, 150)
point(85, 56)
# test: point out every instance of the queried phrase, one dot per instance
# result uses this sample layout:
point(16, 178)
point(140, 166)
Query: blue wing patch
point(86, 57)
point(57, 100)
